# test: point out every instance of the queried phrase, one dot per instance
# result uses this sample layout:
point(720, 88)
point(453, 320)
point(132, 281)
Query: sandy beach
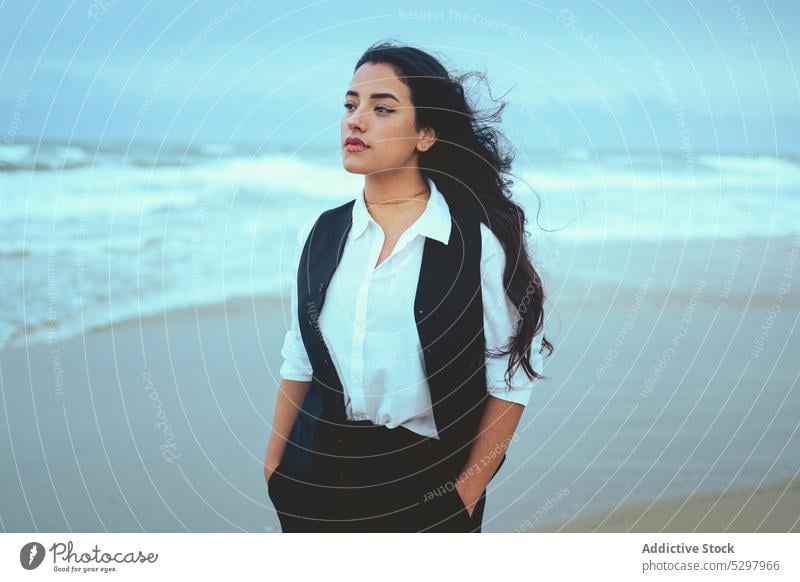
point(161, 424)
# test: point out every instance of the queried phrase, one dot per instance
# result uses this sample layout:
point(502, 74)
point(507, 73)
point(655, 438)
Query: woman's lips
point(354, 148)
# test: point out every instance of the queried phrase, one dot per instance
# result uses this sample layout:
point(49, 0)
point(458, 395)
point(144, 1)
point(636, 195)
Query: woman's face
point(379, 112)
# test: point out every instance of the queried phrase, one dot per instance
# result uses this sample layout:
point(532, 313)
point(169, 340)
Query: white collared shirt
point(367, 321)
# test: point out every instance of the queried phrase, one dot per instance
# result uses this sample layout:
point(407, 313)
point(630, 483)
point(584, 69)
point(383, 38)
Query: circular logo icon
point(31, 555)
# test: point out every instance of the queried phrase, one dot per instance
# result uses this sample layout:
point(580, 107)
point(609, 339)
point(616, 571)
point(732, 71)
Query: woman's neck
point(386, 186)
point(396, 217)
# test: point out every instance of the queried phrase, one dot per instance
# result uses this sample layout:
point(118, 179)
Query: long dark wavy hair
point(470, 163)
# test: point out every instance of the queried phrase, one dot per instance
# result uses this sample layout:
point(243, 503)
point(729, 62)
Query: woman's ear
point(426, 139)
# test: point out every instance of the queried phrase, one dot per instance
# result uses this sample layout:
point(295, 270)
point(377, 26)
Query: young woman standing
point(417, 317)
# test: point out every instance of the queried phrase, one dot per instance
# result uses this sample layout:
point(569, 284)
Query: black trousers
point(388, 480)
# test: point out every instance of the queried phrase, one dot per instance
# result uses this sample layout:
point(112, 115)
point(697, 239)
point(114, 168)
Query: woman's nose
point(355, 120)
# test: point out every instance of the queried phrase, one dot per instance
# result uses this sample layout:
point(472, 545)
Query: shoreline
point(233, 307)
point(771, 507)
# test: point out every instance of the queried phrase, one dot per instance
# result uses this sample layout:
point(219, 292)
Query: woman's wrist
point(273, 458)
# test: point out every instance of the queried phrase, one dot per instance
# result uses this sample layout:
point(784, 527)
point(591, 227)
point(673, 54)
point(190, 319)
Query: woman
point(399, 398)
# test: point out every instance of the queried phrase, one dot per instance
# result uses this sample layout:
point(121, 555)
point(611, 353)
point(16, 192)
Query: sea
point(96, 233)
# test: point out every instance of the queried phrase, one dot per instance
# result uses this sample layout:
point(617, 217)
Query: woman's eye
point(379, 108)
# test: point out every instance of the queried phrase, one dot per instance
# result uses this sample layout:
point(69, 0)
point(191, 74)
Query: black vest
point(448, 309)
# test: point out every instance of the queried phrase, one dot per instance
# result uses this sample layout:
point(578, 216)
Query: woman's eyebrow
point(374, 95)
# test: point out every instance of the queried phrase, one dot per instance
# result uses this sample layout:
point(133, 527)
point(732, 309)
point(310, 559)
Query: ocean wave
point(48, 157)
point(146, 239)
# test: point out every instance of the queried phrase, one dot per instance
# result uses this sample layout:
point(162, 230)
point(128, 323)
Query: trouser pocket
point(303, 506)
point(455, 513)
point(442, 510)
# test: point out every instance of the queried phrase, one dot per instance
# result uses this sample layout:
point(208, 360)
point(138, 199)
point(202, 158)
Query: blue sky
point(612, 75)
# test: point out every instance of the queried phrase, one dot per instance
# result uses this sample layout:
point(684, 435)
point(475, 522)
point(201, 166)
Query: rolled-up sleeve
point(296, 365)
point(499, 320)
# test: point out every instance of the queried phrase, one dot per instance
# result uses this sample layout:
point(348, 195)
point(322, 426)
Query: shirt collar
point(434, 222)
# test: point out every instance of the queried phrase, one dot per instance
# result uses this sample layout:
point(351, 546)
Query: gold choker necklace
point(395, 200)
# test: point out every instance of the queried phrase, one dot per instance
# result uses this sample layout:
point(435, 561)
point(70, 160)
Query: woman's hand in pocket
point(467, 497)
point(269, 469)
point(270, 464)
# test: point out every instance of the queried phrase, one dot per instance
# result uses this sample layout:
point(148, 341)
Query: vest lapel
point(449, 315)
point(319, 260)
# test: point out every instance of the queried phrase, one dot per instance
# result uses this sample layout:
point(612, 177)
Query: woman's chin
point(354, 167)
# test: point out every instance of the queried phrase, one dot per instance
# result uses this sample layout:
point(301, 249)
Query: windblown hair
point(471, 168)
